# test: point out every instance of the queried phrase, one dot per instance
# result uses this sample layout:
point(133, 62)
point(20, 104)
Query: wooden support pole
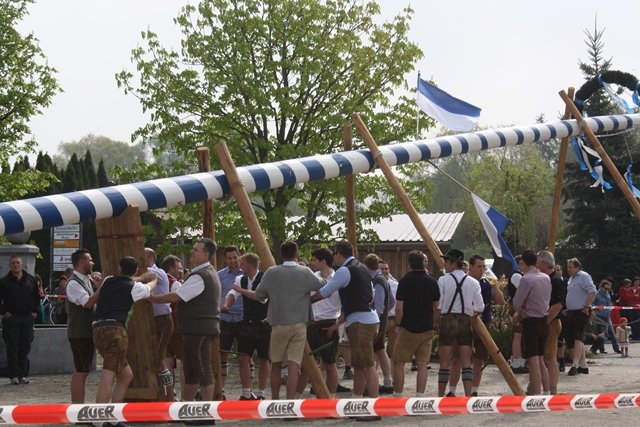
point(204, 165)
point(208, 230)
point(432, 246)
point(118, 237)
point(562, 158)
point(603, 154)
point(349, 192)
point(498, 358)
point(309, 364)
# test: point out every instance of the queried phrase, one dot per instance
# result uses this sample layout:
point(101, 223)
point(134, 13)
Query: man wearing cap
point(460, 298)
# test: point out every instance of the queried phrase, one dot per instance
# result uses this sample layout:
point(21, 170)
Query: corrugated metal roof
point(399, 228)
point(396, 228)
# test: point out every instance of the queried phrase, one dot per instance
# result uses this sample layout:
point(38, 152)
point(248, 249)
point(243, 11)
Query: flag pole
point(417, 111)
point(449, 176)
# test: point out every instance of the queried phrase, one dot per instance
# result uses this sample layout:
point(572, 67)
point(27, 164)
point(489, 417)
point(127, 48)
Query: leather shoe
point(368, 418)
point(385, 390)
point(200, 423)
point(342, 389)
point(573, 371)
point(583, 371)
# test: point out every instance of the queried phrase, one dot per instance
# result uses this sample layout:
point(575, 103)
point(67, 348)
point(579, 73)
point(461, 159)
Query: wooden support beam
point(349, 192)
point(432, 246)
point(557, 203)
point(118, 237)
point(208, 226)
point(309, 364)
point(208, 230)
point(611, 167)
point(498, 358)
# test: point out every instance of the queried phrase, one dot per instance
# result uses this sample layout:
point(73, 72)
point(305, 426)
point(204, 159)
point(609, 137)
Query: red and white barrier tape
point(312, 408)
point(615, 307)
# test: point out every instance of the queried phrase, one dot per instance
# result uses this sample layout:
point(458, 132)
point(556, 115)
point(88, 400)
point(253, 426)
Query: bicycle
point(48, 308)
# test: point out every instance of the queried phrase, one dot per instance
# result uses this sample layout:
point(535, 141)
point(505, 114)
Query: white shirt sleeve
point(515, 279)
point(191, 288)
point(76, 294)
point(140, 291)
point(233, 292)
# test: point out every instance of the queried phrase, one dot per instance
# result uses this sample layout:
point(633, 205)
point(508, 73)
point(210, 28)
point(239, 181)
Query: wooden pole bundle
point(118, 237)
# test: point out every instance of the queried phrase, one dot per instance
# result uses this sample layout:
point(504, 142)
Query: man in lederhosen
point(460, 298)
point(254, 334)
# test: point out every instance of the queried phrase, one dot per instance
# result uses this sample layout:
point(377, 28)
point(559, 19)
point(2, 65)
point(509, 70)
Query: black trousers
point(17, 332)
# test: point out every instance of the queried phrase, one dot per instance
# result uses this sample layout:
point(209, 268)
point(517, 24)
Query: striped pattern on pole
point(72, 208)
point(312, 408)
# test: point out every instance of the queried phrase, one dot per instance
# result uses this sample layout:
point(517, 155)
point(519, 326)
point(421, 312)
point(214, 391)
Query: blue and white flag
point(624, 99)
point(450, 111)
point(628, 177)
point(589, 160)
point(494, 224)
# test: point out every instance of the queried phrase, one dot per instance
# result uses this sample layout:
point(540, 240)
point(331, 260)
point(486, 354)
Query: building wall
point(396, 255)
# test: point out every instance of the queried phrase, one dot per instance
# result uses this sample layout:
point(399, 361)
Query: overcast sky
point(509, 58)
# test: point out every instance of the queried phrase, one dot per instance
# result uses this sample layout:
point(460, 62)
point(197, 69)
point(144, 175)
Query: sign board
point(65, 240)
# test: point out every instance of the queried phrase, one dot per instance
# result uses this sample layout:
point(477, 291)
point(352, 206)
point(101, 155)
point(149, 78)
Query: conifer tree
point(599, 225)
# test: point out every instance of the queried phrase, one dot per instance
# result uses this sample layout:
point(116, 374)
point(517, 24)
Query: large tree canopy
point(276, 79)
point(27, 86)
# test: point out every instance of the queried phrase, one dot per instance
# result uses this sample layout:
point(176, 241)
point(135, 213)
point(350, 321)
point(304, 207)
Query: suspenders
point(458, 292)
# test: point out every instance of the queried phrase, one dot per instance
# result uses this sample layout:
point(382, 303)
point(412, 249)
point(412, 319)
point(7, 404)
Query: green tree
point(103, 179)
point(600, 227)
point(276, 79)
point(518, 182)
point(102, 148)
point(72, 179)
point(90, 171)
point(27, 86)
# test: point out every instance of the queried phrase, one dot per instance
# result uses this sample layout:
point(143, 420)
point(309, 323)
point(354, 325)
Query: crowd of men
point(386, 323)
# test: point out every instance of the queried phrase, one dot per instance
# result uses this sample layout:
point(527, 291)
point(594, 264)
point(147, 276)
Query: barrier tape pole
point(312, 408)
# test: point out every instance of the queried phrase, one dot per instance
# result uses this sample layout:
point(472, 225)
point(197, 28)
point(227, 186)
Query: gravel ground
point(609, 373)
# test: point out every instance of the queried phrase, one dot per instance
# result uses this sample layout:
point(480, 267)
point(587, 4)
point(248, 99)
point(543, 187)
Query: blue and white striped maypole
point(71, 208)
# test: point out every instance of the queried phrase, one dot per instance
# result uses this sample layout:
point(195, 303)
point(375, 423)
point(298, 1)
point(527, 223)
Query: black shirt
point(558, 291)
point(19, 296)
point(418, 291)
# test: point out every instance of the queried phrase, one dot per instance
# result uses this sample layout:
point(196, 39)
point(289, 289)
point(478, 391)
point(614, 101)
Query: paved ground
point(609, 374)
